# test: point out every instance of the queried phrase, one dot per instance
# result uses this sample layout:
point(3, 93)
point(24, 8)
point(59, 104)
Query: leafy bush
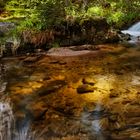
point(51, 13)
point(116, 18)
point(95, 11)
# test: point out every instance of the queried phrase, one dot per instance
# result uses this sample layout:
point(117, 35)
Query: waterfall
point(8, 129)
point(135, 27)
point(134, 30)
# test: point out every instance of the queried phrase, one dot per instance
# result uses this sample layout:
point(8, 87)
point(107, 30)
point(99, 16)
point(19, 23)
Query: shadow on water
point(93, 97)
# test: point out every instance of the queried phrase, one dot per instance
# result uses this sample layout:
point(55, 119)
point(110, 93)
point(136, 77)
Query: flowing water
point(135, 27)
point(92, 96)
point(134, 31)
point(8, 128)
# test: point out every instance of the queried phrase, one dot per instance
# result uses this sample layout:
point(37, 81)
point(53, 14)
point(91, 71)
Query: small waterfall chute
point(135, 27)
point(133, 31)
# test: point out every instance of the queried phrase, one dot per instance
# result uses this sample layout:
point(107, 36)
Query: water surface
point(95, 96)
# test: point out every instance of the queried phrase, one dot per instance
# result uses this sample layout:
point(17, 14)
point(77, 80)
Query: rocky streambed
point(93, 95)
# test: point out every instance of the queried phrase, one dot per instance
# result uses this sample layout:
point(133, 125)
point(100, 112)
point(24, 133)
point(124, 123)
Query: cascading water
point(133, 31)
point(135, 27)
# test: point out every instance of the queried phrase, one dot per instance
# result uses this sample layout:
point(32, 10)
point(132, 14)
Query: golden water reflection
point(89, 97)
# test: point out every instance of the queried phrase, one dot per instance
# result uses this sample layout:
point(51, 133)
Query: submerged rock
point(85, 89)
point(31, 59)
point(51, 87)
point(56, 108)
point(88, 81)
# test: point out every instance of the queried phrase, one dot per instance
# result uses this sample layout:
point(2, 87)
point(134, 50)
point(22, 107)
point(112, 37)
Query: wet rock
point(58, 62)
point(85, 88)
point(47, 78)
point(63, 51)
point(31, 59)
point(112, 36)
point(54, 62)
point(51, 87)
point(124, 37)
point(84, 47)
point(62, 63)
point(88, 81)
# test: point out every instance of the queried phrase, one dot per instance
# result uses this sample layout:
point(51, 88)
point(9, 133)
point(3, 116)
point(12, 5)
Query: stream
point(94, 95)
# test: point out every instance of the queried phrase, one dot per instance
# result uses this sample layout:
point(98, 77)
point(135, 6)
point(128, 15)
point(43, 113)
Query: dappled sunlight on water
point(90, 97)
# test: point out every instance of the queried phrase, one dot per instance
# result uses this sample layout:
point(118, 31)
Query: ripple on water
point(8, 129)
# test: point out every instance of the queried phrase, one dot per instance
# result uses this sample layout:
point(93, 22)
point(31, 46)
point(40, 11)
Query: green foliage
point(95, 11)
point(51, 13)
point(42, 14)
point(31, 22)
point(116, 17)
point(2, 4)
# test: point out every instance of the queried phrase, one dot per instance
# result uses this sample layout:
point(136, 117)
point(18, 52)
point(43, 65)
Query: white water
point(134, 30)
point(135, 27)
